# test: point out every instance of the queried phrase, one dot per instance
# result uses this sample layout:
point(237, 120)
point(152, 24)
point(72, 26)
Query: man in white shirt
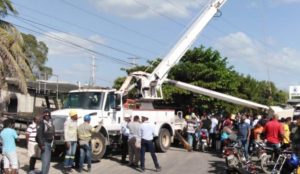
point(213, 129)
point(147, 132)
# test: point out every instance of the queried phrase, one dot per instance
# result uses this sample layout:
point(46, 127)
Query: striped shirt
point(31, 131)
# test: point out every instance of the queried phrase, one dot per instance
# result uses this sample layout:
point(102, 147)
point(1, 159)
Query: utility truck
point(108, 108)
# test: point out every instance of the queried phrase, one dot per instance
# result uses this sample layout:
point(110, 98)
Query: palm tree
point(13, 62)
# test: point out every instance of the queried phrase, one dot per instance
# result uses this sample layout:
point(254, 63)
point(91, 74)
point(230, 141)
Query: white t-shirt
point(248, 121)
point(214, 123)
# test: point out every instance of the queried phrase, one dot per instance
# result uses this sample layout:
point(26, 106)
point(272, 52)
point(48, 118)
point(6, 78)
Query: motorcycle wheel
point(267, 164)
point(204, 147)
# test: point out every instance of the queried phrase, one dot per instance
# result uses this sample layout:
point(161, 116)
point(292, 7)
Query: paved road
point(175, 161)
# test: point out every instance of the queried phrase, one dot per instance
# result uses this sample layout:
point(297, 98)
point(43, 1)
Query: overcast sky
point(259, 37)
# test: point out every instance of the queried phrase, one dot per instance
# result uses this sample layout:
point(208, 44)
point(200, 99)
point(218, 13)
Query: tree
point(206, 68)
point(13, 62)
point(36, 52)
point(5, 7)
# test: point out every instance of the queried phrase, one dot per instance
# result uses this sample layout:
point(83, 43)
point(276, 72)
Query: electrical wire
point(88, 40)
point(85, 28)
point(112, 22)
point(69, 43)
point(159, 13)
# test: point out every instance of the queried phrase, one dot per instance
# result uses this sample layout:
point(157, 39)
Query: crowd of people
point(40, 143)
point(137, 138)
point(138, 134)
point(245, 128)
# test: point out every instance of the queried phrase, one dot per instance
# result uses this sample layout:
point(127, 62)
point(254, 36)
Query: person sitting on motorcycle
point(206, 125)
point(258, 130)
point(274, 132)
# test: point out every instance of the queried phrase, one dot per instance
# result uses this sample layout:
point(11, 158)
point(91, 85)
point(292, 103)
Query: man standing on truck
point(84, 136)
point(33, 149)
point(70, 134)
point(44, 138)
point(147, 131)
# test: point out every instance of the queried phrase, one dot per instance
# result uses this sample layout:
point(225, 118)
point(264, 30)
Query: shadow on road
point(218, 167)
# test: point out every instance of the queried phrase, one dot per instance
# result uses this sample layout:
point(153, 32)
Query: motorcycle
point(235, 159)
point(287, 162)
point(268, 161)
point(201, 138)
point(204, 140)
point(259, 151)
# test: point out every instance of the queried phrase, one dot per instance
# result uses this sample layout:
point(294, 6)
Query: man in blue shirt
point(244, 130)
point(9, 136)
point(147, 132)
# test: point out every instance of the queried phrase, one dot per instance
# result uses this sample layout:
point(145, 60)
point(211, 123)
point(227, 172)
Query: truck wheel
point(163, 142)
point(98, 146)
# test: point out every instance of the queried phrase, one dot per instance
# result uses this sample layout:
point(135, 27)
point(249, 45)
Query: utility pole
point(134, 61)
point(92, 81)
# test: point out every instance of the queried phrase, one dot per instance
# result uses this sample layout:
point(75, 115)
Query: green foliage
point(36, 51)
point(6, 7)
point(206, 68)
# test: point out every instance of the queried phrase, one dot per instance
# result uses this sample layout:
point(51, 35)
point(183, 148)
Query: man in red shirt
point(274, 132)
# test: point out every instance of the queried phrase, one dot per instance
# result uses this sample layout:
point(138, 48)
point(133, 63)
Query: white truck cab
point(107, 112)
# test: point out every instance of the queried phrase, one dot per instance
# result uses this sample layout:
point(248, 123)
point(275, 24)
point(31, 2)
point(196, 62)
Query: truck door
point(112, 107)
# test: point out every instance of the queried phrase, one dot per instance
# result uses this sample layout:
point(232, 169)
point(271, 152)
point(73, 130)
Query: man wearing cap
point(70, 135)
point(125, 134)
point(44, 138)
point(84, 136)
point(147, 131)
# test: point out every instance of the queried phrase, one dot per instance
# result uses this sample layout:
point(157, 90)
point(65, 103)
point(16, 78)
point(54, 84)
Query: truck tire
point(98, 144)
point(163, 142)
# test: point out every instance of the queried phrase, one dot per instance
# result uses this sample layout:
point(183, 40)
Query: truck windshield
point(84, 100)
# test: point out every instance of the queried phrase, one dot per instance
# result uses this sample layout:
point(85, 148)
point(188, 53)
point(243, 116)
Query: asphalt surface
point(175, 161)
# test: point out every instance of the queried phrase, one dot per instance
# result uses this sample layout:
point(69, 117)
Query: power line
point(88, 40)
point(112, 22)
point(85, 28)
point(69, 43)
point(159, 13)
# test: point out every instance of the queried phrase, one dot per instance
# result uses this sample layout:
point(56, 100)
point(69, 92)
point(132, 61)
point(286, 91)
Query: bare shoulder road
point(175, 161)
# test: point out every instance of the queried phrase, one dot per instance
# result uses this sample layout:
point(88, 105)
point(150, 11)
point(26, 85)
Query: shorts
point(33, 150)
point(10, 160)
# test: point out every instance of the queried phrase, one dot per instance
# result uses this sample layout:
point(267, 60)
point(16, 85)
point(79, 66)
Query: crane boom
point(217, 95)
point(150, 84)
point(160, 73)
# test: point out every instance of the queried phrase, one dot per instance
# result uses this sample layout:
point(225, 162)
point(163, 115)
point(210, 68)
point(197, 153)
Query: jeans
point(85, 153)
point(245, 145)
point(148, 145)
point(191, 138)
point(70, 154)
point(46, 158)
